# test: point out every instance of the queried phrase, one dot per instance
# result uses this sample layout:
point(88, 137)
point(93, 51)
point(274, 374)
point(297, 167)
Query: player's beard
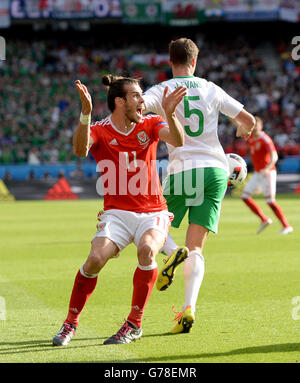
point(132, 115)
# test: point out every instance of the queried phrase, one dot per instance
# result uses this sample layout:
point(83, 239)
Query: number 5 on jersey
point(189, 112)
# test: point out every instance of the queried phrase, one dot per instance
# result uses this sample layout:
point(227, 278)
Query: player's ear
point(119, 101)
point(194, 62)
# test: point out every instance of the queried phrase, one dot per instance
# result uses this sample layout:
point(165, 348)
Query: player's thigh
point(174, 193)
point(269, 186)
point(117, 226)
point(155, 223)
point(102, 249)
point(253, 185)
point(207, 213)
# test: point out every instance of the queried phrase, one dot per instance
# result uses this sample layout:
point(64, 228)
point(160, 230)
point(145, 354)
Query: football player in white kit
point(198, 171)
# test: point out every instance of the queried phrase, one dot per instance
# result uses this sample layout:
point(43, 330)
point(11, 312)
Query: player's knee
point(245, 196)
point(97, 258)
point(146, 254)
point(194, 264)
point(270, 200)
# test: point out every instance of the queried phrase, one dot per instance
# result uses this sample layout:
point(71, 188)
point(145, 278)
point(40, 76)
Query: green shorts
point(200, 191)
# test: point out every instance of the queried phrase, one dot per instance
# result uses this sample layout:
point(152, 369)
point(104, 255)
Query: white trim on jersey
point(117, 130)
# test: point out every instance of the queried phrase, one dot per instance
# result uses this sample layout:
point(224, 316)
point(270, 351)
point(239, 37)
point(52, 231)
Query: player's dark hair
point(116, 88)
point(182, 51)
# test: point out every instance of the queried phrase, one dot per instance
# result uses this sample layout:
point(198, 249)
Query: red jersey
point(127, 162)
point(260, 151)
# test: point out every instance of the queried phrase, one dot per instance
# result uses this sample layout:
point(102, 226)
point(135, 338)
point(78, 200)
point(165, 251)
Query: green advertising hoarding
point(141, 11)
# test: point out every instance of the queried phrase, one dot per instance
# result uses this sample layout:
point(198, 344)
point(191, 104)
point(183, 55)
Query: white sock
point(170, 246)
point(193, 272)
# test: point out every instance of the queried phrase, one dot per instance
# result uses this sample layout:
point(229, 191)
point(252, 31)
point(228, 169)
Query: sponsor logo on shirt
point(114, 142)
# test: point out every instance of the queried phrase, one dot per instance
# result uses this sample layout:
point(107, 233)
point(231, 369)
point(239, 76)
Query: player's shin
point(193, 272)
point(278, 212)
point(255, 208)
point(143, 282)
point(84, 285)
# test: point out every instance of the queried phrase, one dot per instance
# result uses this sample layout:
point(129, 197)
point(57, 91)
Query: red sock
point(143, 282)
point(82, 290)
point(279, 214)
point(255, 208)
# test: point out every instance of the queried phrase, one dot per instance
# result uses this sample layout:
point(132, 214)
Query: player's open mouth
point(139, 112)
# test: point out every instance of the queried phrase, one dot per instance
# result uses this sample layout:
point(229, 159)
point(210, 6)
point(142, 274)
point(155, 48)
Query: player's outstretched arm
point(244, 123)
point(82, 141)
point(174, 133)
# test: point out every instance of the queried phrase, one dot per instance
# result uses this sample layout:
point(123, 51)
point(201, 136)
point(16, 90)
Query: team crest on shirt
point(101, 226)
point(143, 138)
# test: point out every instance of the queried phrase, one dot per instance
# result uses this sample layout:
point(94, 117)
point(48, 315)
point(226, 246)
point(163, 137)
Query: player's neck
point(121, 124)
point(182, 71)
point(257, 135)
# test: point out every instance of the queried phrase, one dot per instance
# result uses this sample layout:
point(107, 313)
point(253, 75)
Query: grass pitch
point(246, 311)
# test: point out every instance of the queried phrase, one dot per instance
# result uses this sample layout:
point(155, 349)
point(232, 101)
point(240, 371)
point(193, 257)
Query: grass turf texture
point(244, 310)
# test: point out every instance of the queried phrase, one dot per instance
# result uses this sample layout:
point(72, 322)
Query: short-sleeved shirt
point(198, 113)
point(260, 151)
point(127, 163)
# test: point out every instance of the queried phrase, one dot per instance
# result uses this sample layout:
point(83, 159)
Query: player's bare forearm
point(176, 133)
point(82, 140)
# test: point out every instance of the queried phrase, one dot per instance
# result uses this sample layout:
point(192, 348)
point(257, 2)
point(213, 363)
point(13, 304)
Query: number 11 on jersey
point(128, 163)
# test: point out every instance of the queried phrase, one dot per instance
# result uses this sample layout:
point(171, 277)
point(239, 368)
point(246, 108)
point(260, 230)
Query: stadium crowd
point(39, 104)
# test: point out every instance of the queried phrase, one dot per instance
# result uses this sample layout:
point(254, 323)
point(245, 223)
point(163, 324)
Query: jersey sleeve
point(153, 98)
point(94, 133)
point(227, 104)
point(157, 124)
point(269, 144)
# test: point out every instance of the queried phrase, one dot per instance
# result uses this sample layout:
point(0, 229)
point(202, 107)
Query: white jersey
point(198, 113)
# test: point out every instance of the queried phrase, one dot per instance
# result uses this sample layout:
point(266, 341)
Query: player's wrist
point(85, 118)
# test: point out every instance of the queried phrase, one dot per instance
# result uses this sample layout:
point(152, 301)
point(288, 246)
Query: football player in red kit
point(264, 157)
point(124, 147)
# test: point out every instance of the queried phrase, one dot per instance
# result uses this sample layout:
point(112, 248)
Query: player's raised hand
point(171, 100)
point(243, 132)
point(85, 98)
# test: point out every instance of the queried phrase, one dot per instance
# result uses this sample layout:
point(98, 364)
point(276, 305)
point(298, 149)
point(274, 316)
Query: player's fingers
point(85, 89)
point(180, 94)
point(79, 87)
point(166, 91)
point(86, 92)
point(179, 90)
